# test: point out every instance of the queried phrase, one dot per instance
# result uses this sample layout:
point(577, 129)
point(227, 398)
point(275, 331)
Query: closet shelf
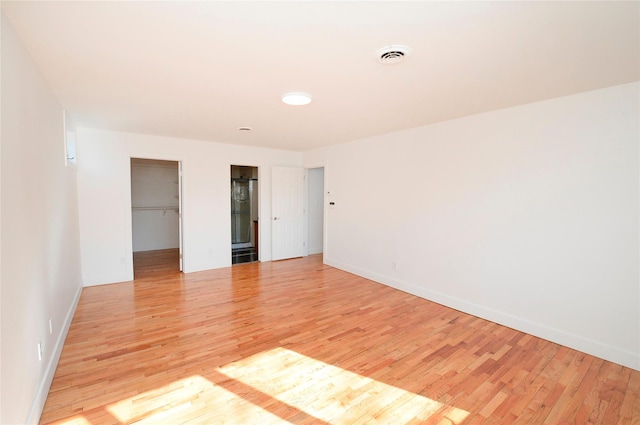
point(154, 208)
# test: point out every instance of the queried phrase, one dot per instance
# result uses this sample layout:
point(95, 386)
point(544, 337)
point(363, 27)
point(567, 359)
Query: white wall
point(155, 199)
point(526, 216)
point(316, 209)
point(105, 199)
point(40, 242)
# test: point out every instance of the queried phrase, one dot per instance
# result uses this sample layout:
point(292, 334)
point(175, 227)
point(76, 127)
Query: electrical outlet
point(50, 326)
point(394, 265)
point(40, 350)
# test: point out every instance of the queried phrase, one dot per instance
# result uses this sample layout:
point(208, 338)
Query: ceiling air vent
point(392, 54)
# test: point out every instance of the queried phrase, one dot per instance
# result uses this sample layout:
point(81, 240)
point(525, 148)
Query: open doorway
point(244, 214)
point(155, 217)
point(315, 227)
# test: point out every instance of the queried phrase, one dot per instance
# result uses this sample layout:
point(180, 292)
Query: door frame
point(181, 196)
point(260, 229)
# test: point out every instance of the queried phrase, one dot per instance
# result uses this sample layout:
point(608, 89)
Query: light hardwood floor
point(299, 342)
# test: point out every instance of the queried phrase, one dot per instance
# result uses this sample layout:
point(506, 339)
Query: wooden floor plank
point(297, 341)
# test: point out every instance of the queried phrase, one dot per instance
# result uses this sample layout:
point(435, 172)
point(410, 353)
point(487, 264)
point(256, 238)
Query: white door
point(287, 212)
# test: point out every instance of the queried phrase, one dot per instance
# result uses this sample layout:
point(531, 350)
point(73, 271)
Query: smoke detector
point(391, 55)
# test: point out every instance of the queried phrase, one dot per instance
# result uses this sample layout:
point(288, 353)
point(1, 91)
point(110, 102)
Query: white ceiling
point(199, 70)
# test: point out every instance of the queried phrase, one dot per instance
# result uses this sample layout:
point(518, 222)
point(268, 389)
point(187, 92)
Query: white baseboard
point(577, 342)
point(43, 389)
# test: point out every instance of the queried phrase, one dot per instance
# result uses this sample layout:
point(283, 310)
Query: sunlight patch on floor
point(257, 389)
point(75, 420)
point(193, 400)
point(332, 394)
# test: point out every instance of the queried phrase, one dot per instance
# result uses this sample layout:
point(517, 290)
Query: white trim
point(45, 384)
point(576, 342)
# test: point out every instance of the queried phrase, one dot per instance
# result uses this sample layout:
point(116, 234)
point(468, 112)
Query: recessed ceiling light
point(296, 98)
